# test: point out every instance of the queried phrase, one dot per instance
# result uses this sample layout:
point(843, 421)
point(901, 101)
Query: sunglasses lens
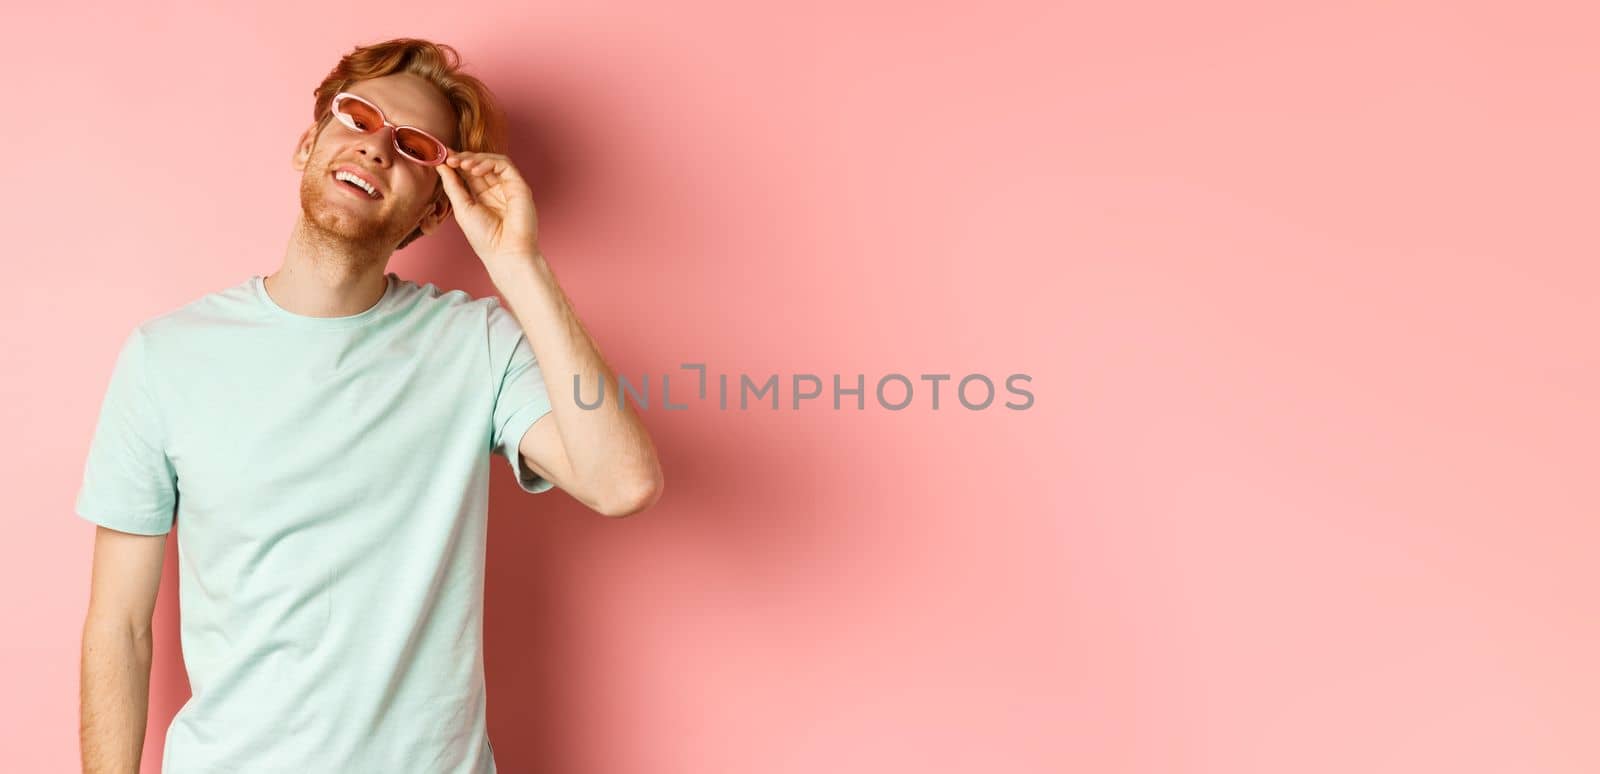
point(359, 115)
point(418, 146)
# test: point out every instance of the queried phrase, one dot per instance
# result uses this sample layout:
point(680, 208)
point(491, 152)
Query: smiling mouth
point(352, 186)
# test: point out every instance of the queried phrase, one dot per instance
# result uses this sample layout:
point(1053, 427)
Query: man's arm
point(115, 676)
point(602, 457)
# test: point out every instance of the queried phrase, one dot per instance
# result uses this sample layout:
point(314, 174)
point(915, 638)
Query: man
point(323, 436)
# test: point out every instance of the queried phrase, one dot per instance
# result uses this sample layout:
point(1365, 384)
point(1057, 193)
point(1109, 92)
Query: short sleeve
point(520, 393)
point(129, 484)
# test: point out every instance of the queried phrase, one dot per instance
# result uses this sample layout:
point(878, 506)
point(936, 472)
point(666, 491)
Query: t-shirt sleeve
point(520, 395)
point(129, 484)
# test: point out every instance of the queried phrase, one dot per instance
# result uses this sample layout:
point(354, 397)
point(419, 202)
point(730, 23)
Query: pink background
point(1308, 297)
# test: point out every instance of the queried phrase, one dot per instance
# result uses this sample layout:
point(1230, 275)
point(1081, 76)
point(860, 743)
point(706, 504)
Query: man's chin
point(344, 223)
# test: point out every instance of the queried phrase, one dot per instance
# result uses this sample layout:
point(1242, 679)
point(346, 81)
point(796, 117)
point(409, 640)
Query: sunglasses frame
point(394, 136)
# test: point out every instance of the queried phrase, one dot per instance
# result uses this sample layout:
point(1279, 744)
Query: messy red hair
point(480, 123)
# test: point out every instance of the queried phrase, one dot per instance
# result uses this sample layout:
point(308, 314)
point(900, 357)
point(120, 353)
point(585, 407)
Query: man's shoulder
point(216, 308)
point(456, 306)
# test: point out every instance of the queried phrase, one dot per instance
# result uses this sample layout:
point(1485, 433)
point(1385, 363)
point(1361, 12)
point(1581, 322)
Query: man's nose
point(377, 146)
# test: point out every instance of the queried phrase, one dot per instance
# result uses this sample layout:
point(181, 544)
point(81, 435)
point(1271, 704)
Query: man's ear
point(436, 214)
point(302, 150)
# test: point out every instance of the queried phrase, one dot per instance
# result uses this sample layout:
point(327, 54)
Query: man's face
point(409, 194)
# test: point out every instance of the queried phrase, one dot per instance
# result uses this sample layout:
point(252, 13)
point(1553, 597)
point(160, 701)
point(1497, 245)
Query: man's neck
point(322, 277)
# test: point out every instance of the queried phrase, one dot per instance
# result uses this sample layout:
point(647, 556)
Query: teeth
point(343, 175)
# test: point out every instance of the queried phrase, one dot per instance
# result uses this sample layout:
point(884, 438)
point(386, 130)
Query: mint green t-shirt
point(329, 477)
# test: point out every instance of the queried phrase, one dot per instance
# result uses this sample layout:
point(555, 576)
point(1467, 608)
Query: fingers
point(454, 188)
point(470, 172)
point(477, 183)
point(469, 162)
point(495, 167)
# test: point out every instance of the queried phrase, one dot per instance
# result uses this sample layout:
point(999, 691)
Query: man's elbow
point(635, 497)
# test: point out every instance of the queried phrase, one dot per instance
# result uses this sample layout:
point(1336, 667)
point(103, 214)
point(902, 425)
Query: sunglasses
point(365, 117)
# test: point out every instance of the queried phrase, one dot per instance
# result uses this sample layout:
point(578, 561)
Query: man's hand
point(492, 204)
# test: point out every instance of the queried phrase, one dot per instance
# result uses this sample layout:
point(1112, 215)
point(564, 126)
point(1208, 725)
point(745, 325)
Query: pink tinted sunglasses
point(366, 118)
